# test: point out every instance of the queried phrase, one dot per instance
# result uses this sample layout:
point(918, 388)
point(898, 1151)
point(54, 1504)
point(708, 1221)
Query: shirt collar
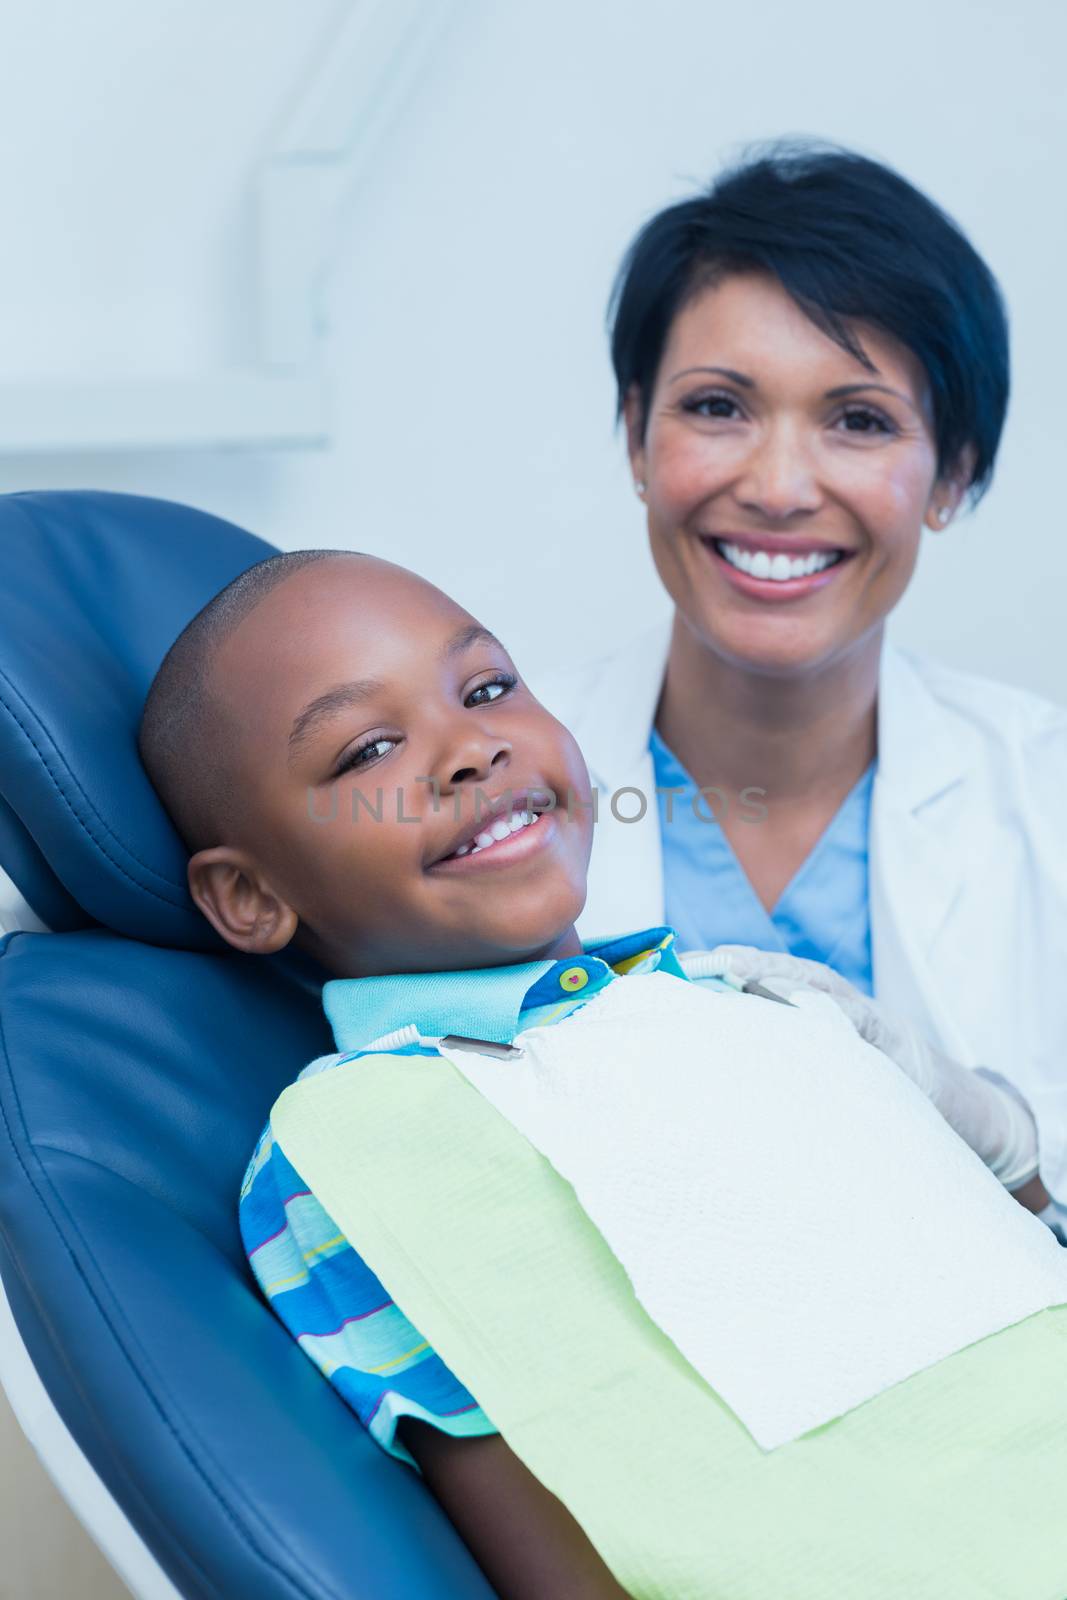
point(480, 1004)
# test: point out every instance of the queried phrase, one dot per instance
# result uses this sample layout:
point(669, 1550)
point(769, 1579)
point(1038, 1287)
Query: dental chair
point(139, 1058)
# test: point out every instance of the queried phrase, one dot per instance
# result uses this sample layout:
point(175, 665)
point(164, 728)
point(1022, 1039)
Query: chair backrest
point(96, 588)
point(138, 1063)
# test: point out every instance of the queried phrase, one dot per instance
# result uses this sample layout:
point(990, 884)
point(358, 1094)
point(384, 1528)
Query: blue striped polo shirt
point(313, 1277)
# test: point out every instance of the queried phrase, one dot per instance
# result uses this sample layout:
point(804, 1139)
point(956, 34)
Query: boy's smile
point(404, 802)
point(508, 830)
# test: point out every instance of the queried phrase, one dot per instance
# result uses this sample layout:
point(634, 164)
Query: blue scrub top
point(824, 912)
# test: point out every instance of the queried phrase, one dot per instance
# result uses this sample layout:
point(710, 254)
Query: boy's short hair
point(185, 736)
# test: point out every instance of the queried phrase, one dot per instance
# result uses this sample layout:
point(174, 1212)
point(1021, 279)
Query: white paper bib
point(789, 1208)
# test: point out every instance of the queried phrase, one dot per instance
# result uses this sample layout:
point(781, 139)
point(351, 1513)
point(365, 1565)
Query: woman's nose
point(779, 479)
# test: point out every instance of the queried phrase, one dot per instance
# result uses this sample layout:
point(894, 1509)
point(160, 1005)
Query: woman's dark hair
point(847, 238)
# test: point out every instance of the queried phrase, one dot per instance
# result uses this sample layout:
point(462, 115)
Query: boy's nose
point(478, 758)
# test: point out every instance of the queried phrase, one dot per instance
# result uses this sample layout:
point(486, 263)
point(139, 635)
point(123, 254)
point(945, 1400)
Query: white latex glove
point(985, 1109)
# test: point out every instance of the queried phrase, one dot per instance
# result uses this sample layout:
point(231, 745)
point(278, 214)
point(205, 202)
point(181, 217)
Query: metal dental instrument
point(754, 987)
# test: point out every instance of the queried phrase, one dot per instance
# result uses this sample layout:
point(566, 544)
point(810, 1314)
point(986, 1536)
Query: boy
point(322, 682)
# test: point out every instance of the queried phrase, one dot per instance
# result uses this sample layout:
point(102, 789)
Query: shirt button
point(573, 979)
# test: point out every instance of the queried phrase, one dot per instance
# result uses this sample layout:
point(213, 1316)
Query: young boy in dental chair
point(360, 773)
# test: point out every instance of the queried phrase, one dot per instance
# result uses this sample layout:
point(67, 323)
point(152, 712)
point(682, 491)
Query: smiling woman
point(812, 365)
point(799, 486)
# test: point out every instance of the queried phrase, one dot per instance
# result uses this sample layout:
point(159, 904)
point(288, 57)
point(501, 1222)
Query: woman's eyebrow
point(726, 372)
point(836, 393)
point(858, 388)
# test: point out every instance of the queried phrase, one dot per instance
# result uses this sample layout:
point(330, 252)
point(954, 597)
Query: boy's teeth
point(779, 567)
point(499, 828)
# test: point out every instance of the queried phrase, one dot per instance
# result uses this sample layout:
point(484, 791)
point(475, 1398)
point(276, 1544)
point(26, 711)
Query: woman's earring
point(640, 487)
point(944, 514)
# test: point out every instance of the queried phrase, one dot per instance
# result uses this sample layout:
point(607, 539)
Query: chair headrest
point(96, 588)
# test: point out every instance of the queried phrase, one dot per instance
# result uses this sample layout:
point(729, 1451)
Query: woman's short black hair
point(848, 238)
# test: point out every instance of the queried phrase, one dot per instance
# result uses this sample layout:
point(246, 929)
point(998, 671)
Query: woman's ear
point(634, 418)
point(239, 903)
point(949, 490)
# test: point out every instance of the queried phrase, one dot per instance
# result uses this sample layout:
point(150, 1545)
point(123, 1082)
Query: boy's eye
point(363, 754)
point(486, 693)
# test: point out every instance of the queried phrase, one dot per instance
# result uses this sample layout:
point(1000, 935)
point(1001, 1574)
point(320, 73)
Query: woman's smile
point(775, 567)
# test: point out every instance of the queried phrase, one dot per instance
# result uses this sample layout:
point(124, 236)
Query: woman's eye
point(857, 419)
point(711, 405)
point(486, 693)
point(869, 421)
point(363, 754)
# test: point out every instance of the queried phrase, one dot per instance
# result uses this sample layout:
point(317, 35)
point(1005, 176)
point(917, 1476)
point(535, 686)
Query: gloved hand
point(985, 1109)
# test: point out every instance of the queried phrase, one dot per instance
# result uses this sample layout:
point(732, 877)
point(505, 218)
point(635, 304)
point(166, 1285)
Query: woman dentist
point(812, 364)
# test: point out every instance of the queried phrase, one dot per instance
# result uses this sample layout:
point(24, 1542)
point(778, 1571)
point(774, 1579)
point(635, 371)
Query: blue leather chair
point(138, 1061)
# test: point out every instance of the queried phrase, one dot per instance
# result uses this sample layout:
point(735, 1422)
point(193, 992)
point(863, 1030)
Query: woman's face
point(786, 484)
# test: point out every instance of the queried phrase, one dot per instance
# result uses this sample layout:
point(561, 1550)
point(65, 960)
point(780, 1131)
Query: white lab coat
point(968, 856)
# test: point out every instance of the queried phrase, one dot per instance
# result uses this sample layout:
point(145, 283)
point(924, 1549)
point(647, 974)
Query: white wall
point(474, 403)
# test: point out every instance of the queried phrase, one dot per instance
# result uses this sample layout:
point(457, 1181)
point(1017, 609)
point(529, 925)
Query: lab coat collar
point(612, 721)
point(920, 842)
point(921, 752)
point(614, 724)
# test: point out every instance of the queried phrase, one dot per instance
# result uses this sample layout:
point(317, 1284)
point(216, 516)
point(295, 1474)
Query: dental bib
point(727, 1285)
point(743, 1161)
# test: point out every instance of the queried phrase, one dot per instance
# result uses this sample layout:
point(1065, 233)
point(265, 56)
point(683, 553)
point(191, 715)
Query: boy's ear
point(239, 903)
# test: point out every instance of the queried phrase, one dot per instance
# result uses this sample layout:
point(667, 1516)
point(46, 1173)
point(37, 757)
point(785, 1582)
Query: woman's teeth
point(779, 568)
point(501, 828)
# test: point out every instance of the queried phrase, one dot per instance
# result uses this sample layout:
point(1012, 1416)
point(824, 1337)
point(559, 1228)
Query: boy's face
point(370, 714)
